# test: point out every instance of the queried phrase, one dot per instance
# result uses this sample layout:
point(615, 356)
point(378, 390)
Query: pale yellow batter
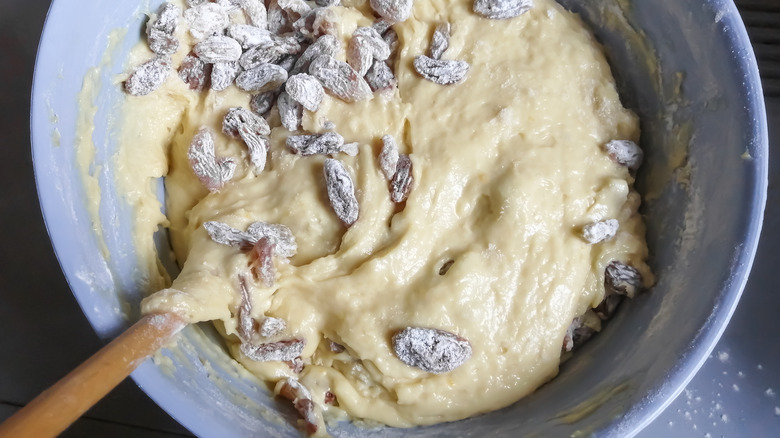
point(508, 168)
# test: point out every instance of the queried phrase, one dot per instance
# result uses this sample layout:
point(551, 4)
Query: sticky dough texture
point(508, 167)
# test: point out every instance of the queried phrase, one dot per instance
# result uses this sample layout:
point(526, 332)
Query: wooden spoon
point(59, 406)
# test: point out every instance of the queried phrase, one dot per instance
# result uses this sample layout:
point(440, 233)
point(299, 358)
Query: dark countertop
point(43, 334)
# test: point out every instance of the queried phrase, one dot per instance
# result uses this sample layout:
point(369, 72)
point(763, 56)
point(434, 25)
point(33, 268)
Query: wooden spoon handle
point(56, 408)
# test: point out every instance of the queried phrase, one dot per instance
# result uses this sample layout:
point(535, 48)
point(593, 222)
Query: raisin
point(278, 23)
point(502, 9)
point(161, 28)
point(294, 8)
point(431, 350)
point(380, 76)
point(328, 143)
point(248, 36)
point(270, 51)
point(148, 76)
point(258, 146)
point(262, 103)
point(206, 19)
point(388, 158)
point(442, 72)
point(283, 239)
point(402, 181)
point(317, 22)
point(213, 173)
point(223, 74)
point(600, 231)
point(326, 3)
point(625, 152)
point(325, 45)
point(247, 326)
point(272, 326)
point(440, 41)
point(226, 235)
point(194, 72)
point(340, 79)
point(393, 10)
point(162, 43)
point(336, 347)
point(274, 351)
point(341, 191)
point(265, 77)
point(306, 90)
point(262, 262)
point(290, 112)
point(292, 390)
point(607, 307)
point(622, 279)
point(255, 13)
point(238, 116)
point(446, 267)
point(218, 48)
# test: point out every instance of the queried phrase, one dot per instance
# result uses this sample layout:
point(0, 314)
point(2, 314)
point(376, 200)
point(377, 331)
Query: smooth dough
point(508, 167)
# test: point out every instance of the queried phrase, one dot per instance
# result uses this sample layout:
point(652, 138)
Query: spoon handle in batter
point(55, 409)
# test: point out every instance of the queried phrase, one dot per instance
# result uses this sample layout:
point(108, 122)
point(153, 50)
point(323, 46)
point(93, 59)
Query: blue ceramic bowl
point(687, 68)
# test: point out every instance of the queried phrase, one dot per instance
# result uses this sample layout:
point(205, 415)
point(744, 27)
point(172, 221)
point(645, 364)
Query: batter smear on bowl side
point(405, 211)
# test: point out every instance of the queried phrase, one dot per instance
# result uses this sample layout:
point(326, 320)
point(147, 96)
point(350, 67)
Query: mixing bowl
point(685, 66)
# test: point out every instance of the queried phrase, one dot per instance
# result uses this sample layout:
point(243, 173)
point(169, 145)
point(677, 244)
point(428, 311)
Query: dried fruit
point(325, 45)
point(226, 235)
point(402, 181)
point(148, 76)
point(581, 330)
point(223, 74)
point(290, 111)
point(380, 76)
point(265, 77)
point(194, 72)
point(255, 13)
point(328, 143)
point(431, 350)
point(270, 51)
point(274, 351)
point(193, 3)
point(607, 307)
point(364, 47)
point(278, 23)
point(340, 79)
point(351, 149)
point(262, 103)
point(336, 347)
point(292, 390)
point(326, 3)
point(502, 9)
point(446, 267)
point(440, 71)
point(296, 365)
point(258, 146)
point(248, 36)
point(218, 48)
point(262, 262)
point(440, 41)
point(294, 8)
point(341, 191)
point(247, 326)
point(388, 158)
point(160, 30)
point(381, 25)
point(306, 90)
point(622, 279)
point(625, 152)
point(390, 38)
point(213, 173)
point(283, 239)
point(162, 43)
point(393, 10)
point(237, 117)
point(165, 20)
point(206, 19)
point(317, 22)
point(600, 231)
point(330, 398)
point(272, 326)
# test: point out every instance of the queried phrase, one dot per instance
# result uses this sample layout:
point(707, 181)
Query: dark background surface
point(44, 335)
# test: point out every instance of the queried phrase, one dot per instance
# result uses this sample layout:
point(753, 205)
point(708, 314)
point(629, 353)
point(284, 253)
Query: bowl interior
point(685, 66)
